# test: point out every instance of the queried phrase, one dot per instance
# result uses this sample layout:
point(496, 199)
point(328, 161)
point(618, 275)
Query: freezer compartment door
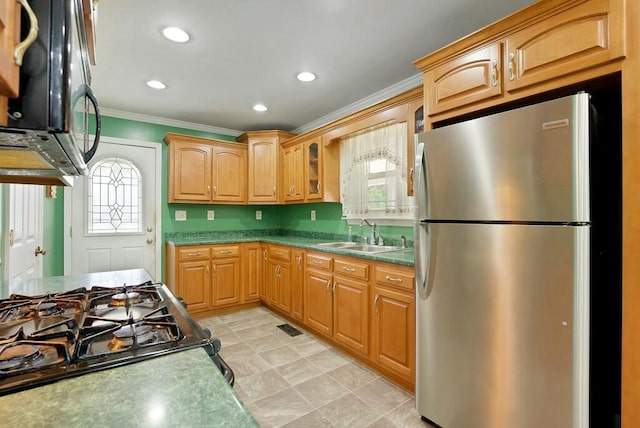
point(502, 335)
point(525, 165)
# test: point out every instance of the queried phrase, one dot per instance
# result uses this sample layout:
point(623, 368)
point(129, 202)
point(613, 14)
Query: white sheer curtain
point(373, 173)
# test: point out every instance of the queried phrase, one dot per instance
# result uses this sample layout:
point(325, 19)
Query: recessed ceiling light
point(260, 107)
point(176, 34)
point(306, 76)
point(156, 84)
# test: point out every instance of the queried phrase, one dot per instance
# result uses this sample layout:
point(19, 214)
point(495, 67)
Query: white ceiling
point(243, 52)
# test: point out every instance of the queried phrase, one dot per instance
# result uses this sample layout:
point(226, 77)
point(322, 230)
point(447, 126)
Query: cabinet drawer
point(318, 261)
point(400, 278)
point(280, 253)
point(193, 253)
point(226, 251)
point(351, 268)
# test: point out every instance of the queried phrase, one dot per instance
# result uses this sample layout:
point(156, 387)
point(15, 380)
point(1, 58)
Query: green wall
point(53, 234)
point(329, 220)
point(227, 217)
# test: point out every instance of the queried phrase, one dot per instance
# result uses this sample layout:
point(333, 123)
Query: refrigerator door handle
point(421, 233)
point(424, 254)
point(419, 181)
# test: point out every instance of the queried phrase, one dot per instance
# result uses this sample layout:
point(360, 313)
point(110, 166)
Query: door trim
point(157, 148)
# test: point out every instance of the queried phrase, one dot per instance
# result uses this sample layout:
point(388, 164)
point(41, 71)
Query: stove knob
point(216, 345)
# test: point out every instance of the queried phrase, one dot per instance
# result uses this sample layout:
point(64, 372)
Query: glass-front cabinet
point(313, 169)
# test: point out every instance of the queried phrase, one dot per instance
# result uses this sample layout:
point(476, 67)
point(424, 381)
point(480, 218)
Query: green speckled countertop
point(181, 389)
point(307, 241)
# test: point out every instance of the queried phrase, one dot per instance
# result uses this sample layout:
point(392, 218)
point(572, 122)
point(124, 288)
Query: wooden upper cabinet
point(229, 173)
point(549, 45)
point(203, 170)
point(579, 38)
point(9, 38)
point(263, 164)
point(313, 169)
point(189, 172)
point(293, 172)
point(467, 79)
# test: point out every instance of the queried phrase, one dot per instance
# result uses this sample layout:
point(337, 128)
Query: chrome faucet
point(373, 240)
point(403, 241)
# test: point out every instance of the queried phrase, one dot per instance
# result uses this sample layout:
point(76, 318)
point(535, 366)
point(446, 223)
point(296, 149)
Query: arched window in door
point(114, 197)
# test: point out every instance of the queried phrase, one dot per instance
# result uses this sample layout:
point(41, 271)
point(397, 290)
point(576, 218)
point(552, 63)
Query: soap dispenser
point(350, 235)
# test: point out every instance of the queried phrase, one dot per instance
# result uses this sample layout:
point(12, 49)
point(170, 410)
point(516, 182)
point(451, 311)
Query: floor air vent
point(291, 331)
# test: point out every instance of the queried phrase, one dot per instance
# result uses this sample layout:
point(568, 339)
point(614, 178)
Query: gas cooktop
point(49, 337)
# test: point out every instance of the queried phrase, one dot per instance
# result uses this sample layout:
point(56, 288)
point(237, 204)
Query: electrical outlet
point(258, 215)
point(313, 215)
point(181, 215)
point(211, 215)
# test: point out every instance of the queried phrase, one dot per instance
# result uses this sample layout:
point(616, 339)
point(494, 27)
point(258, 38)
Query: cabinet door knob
point(40, 251)
point(375, 303)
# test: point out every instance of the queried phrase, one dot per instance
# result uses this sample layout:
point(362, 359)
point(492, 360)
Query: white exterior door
point(114, 209)
point(24, 231)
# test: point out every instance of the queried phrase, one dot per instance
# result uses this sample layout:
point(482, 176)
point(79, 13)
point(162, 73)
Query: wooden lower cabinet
point(279, 278)
point(393, 321)
point(252, 272)
point(194, 284)
point(189, 275)
point(365, 308)
point(226, 282)
point(337, 305)
point(297, 282)
point(351, 313)
point(318, 301)
point(205, 276)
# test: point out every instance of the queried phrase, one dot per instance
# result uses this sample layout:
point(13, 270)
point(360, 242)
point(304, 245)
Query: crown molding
point(169, 122)
point(383, 95)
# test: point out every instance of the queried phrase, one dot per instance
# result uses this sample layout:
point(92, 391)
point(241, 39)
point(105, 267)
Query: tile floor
point(301, 381)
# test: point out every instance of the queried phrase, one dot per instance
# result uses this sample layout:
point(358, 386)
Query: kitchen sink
point(338, 244)
point(364, 248)
point(367, 248)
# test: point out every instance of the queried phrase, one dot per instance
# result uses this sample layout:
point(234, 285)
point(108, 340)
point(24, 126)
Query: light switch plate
point(211, 215)
point(258, 215)
point(181, 215)
point(313, 215)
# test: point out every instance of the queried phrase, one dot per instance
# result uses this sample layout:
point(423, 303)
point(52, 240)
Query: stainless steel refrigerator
point(502, 238)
